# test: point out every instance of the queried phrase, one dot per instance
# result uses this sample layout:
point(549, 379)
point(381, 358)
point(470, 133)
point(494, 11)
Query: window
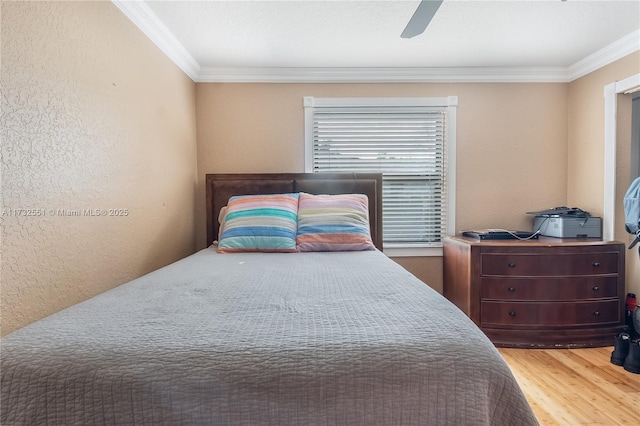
point(411, 141)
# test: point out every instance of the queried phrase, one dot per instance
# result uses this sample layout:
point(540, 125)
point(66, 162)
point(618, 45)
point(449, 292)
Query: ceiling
point(330, 40)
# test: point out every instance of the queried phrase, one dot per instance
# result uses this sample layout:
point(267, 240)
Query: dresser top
point(539, 242)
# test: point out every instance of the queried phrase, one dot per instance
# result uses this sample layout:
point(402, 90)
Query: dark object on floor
point(620, 349)
point(632, 363)
point(630, 307)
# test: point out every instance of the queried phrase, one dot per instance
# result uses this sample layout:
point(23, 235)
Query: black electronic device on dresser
point(548, 292)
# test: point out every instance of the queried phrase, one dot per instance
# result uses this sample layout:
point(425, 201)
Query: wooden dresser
point(539, 293)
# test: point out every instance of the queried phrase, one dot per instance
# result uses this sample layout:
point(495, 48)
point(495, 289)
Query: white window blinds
point(407, 143)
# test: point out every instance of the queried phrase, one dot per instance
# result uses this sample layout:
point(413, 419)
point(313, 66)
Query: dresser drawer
point(548, 264)
point(550, 289)
point(556, 314)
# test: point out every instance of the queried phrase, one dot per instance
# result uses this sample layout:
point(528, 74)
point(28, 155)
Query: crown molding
point(608, 54)
point(144, 18)
point(147, 21)
point(382, 75)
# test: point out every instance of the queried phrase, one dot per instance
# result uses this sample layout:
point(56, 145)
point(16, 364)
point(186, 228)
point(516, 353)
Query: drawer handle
point(511, 289)
point(512, 313)
point(511, 265)
point(595, 288)
point(596, 264)
point(596, 313)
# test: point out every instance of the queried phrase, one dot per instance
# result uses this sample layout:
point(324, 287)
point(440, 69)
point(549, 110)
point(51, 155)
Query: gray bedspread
point(260, 339)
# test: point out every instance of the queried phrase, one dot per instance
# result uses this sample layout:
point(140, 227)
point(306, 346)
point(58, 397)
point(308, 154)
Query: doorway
point(635, 134)
point(622, 132)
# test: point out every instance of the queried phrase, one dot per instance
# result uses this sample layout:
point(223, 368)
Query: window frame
point(449, 103)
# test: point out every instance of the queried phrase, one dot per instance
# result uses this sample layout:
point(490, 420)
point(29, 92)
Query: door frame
point(611, 92)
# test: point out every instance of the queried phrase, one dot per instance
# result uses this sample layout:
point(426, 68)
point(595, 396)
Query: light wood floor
point(576, 386)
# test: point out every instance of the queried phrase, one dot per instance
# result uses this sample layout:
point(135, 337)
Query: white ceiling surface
point(360, 40)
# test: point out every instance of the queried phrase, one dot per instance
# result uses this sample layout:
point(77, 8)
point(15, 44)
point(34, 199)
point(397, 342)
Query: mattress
point(264, 339)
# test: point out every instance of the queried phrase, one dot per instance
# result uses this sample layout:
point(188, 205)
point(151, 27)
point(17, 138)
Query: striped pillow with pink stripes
point(333, 223)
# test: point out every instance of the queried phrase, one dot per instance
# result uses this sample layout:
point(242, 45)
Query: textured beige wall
point(511, 144)
point(94, 116)
point(585, 180)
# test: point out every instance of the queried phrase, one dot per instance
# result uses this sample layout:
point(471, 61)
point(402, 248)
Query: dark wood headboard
point(222, 186)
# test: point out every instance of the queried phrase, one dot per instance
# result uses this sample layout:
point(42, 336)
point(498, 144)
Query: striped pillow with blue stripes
point(260, 223)
point(333, 223)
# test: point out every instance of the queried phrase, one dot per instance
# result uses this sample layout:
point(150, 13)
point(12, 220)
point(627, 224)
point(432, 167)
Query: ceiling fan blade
point(421, 18)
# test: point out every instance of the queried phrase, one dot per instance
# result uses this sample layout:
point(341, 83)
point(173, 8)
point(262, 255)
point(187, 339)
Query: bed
point(262, 338)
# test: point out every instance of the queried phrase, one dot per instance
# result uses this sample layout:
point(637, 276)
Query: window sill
point(413, 252)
